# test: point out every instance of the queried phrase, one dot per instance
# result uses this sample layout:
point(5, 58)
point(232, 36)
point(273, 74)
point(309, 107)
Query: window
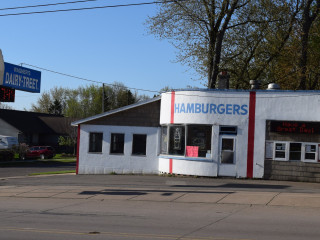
point(117, 143)
point(139, 144)
point(177, 140)
point(189, 141)
point(227, 150)
point(95, 142)
point(198, 140)
point(295, 151)
point(310, 154)
point(164, 140)
point(284, 151)
point(280, 151)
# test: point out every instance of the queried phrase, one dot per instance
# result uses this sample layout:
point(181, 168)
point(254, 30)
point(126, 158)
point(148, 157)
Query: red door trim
point(78, 149)
point(251, 130)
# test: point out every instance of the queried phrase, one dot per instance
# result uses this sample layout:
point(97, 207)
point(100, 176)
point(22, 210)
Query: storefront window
point(95, 142)
point(295, 151)
point(190, 140)
point(177, 140)
point(117, 143)
point(164, 140)
point(198, 140)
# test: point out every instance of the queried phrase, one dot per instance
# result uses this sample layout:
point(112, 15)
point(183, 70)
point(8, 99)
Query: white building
point(236, 133)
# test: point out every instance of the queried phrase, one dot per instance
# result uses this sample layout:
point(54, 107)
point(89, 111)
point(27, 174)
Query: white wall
point(104, 163)
point(233, 117)
point(8, 130)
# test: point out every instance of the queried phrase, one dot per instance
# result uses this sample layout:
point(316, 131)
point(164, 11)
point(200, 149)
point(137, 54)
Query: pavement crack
point(212, 223)
point(273, 198)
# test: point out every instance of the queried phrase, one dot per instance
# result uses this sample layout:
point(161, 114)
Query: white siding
point(104, 163)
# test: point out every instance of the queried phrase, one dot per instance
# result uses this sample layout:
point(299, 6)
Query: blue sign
point(21, 78)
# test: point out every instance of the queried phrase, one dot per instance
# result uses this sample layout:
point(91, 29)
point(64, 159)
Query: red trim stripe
point(78, 148)
point(251, 129)
point(173, 95)
point(170, 165)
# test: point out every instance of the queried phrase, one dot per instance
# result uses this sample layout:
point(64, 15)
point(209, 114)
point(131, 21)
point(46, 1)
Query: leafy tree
point(85, 101)
point(55, 107)
point(197, 28)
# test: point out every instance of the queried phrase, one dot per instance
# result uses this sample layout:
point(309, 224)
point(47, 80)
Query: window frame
point(186, 129)
point(111, 143)
point(145, 147)
point(90, 150)
point(302, 151)
point(286, 151)
point(316, 152)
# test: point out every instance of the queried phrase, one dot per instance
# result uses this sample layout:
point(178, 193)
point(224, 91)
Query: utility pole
point(103, 97)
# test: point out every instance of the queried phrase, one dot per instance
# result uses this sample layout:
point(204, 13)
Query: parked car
point(41, 152)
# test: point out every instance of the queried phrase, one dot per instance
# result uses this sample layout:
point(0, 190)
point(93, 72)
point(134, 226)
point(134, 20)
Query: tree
point(85, 101)
point(55, 107)
point(197, 28)
point(245, 38)
point(310, 11)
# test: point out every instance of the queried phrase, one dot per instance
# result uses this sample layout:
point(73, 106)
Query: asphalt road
point(154, 207)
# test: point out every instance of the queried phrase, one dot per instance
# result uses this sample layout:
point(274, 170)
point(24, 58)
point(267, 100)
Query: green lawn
point(55, 172)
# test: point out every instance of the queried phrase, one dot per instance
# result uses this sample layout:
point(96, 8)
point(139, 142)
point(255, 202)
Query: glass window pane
point(227, 144)
point(139, 144)
point(199, 136)
point(164, 140)
point(310, 156)
point(281, 146)
point(95, 142)
point(295, 147)
point(295, 151)
point(177, 140)
point(227, 157)
point(280, 154)
point(117, 143)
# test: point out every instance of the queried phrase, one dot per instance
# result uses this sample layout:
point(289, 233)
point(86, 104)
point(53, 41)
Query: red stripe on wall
point(173, 95)
point(78, 147)
point(251, 127)
point(170, 165)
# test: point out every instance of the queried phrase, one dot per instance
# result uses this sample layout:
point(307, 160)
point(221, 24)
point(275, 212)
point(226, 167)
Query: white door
point(227, 156)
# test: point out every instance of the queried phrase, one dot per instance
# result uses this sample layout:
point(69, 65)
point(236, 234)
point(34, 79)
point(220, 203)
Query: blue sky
point(105, 45)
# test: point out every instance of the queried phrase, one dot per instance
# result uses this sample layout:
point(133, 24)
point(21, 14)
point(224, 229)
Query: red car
point(41, 152)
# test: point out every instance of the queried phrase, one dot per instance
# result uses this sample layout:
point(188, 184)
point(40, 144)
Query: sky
point(106, 45)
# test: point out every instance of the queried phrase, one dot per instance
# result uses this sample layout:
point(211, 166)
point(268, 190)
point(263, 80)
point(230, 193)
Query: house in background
point(34, 128)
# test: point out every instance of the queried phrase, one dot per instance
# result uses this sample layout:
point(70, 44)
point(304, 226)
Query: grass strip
point(54, 172)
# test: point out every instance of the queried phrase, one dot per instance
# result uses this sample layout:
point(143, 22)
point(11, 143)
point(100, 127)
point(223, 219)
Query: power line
point(90, 8)
point(47, 5)
point(88, 80)
point(180, 92)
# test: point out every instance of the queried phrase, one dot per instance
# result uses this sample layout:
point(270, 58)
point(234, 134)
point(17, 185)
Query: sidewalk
point(164, 194)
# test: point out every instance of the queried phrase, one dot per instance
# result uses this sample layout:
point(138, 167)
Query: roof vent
point(255, 84)
point(273, 86)
point(223, 80)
